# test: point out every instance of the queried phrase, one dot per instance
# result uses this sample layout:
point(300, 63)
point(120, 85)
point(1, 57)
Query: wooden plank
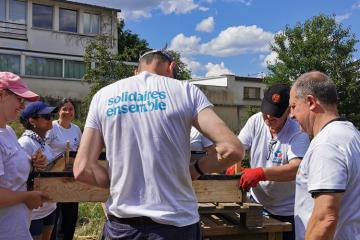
point(66, 189)
point(217, 190)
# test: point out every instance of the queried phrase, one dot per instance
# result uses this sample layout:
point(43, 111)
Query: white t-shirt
point(58, 136)
point(31, 146)
point(145, 121)
point(332, 163)
point(14, 171)
point(198, 141)
point(277, 197)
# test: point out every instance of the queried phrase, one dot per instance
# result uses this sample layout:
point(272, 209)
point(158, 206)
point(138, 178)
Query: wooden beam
point(66, 189)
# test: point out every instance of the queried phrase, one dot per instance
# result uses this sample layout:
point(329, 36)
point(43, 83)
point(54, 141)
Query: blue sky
point(225, 36)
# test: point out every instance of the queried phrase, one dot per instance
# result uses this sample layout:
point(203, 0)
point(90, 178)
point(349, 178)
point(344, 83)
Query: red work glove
point(251, 177)
point(231, 170)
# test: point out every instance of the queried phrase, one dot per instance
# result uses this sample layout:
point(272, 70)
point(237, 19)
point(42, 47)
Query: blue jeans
point(146, 229)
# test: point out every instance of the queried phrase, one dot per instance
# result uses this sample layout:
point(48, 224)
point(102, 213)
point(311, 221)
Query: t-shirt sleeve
point(199, 100)
point(92, 120)
point(27, 145)
point(298, 145)
point(49, 137)
point(327, 169)
point(246, 133)
point(2, 154)
point(206, 142)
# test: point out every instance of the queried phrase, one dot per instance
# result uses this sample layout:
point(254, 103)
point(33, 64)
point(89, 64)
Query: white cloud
point(341, 18)
point(204, 9)
point(216, 69)
point(137, 9)
point(206, 25)
point(356, 5)
point(194, 66)
point(185, 45)
point(230, 42)
point(237, 40)
point(269, 59)
point(177, 6)
point(245, 2)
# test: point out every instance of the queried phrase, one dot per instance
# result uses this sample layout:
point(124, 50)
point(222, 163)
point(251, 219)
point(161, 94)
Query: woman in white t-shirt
point(64, 130)
point(36, 119)
point(15, 165)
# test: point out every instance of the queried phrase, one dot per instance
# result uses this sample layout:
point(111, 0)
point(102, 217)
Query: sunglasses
point(271, 148)
point(48, 116)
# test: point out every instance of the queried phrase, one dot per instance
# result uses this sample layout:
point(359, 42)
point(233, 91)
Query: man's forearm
point(320, 229)
point(94, 174)
point(283, 173)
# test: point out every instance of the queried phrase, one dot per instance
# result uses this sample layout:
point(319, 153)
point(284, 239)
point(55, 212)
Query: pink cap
point(14, 83)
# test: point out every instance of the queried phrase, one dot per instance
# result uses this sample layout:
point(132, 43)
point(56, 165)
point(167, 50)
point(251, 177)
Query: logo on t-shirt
point(277, 156)
point(136, 102)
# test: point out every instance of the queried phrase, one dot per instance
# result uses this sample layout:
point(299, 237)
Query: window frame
point(52, 16)
point(90, 24)
point(17, 71)
point(7, 12)
point(247, 95)
point(77, 20)
point(44, 75)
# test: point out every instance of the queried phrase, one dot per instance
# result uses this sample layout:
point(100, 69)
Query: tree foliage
point(324, 45)
point(103, 67)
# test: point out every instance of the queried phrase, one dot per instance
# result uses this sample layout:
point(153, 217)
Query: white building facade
point(44, 42)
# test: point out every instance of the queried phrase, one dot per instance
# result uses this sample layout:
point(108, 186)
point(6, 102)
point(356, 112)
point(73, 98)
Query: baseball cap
point(14, 83)
point(37, 108)
point(276, 100)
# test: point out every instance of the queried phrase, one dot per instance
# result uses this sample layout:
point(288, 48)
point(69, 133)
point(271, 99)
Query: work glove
point(251, 177)
point(231, 170)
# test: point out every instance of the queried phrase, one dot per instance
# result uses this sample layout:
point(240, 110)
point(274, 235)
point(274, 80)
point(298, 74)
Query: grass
point(90, 221)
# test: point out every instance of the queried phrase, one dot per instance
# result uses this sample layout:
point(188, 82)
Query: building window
point(47, 67)
point(2, 10)
point(74, 69)
point(252, 93)
point(42, 16)
point(68, 20)
point(10, 63)
point(13, 11)
point(91, 23)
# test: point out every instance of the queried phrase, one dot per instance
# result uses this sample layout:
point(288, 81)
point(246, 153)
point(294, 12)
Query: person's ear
point(31, 121)
point(171, 68)
point(311, 101)
point(136, 71)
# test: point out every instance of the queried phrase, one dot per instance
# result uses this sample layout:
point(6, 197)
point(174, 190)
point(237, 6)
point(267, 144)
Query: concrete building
point(232, 96)
point(44, 41)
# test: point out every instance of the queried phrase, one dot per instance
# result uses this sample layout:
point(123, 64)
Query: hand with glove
point(251, 177)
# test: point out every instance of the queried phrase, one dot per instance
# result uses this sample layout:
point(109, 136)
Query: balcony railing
point(13, 30)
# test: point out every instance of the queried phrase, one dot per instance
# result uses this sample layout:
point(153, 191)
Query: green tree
point(322, 44)
point(102, 67)
point(130, 46)
point(183, 72)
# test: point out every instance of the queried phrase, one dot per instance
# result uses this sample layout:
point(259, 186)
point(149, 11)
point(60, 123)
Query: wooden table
point(223, 226)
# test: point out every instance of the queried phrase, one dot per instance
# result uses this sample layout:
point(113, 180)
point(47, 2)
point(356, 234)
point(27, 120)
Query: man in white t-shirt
point(144, 123)
point(328, 181)
point(276, 146)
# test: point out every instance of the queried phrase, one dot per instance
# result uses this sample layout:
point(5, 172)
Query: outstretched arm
point(229, 149)
point(86, 167)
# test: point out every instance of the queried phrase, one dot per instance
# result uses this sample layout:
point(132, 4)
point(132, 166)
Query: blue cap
point(37, 108)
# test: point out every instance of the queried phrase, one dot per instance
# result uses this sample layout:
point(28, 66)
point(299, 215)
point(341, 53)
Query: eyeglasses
point(48, 116)
point(163, 52)
point(271, 147)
